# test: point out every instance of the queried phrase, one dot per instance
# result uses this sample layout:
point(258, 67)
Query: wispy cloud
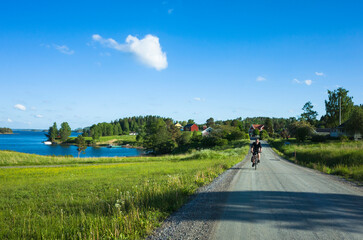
point(319, 73)
point(63, 49)
point(198, 99)
point(307, 82)
point(147, 49)
point(260, 79)
point(295, 80)
point(170, 11)
point(20, 107)
point(9, 120)
point(39, 116)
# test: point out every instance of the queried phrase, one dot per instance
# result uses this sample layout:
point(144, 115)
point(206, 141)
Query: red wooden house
point(255, 126)
point(191, 127)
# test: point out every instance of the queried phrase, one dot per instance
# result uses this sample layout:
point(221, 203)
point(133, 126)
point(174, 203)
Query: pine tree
point(65, 131)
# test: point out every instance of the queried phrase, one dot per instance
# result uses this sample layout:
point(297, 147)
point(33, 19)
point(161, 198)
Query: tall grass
point(115, 201)
point(340, 158)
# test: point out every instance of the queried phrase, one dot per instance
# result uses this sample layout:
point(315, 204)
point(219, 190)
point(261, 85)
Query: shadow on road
point(294, 210)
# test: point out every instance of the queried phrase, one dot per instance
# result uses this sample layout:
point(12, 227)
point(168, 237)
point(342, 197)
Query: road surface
point(284, 201)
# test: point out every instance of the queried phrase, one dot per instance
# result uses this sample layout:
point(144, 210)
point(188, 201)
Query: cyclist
point(256, 148)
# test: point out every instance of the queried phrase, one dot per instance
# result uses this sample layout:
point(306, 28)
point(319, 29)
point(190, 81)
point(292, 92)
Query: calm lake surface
point(31, 142)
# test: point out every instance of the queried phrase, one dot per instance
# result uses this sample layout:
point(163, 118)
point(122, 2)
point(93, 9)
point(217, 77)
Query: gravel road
point(278, 201)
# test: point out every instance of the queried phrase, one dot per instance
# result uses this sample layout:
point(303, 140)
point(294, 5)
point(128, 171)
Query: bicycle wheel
point(256, 161)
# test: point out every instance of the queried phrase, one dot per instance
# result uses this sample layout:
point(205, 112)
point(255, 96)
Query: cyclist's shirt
point(256, 147)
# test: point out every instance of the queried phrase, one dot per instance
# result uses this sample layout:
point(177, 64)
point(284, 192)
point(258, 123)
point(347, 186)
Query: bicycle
point(254, 159)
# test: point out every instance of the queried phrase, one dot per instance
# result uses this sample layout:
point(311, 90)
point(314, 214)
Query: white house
point(207, 131)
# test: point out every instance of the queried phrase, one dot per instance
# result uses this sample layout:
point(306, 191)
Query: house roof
point(258, 126)
point(323, 130)
point(189, 125)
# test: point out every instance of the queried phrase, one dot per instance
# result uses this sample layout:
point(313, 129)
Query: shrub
point(318, 138)
point(264, 134)
point(343, 138)
point(301, 130)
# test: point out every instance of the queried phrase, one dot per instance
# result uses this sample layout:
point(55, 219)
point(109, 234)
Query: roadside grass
point(118, 201)
point(339, 158)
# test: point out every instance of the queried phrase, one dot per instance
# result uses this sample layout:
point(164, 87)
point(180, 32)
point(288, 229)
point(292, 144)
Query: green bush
point(263, 134)
point(318, 138)
point(343, 138)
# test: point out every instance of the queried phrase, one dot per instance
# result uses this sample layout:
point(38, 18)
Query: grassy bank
point(125, 200)
point(115, 139)
point(339, 158)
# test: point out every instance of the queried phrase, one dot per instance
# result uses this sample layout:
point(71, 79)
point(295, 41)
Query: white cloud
point(197, 99)
point(39, 116)
point(308, 82)
point(170, 11)
point(147, 49)
point(260, 78)
point(20, 107)
point(63, 49)
point(319, 73)
point(295, 80)
point(9, 120)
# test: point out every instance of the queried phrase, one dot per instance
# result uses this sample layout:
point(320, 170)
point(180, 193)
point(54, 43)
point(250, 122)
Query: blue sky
point(95, 61)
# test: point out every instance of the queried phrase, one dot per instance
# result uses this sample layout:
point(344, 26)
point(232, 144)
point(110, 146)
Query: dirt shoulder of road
point(182, 224)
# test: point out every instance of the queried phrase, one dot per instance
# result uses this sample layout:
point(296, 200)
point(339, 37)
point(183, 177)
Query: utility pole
point(340, 111)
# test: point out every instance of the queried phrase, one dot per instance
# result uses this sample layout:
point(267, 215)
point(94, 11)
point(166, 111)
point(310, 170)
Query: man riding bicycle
point(256, 148)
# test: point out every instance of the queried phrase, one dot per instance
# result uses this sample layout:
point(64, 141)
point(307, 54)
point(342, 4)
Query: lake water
point(32, 142)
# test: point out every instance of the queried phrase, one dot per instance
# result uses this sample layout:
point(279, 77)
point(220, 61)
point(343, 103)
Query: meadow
point(119, 139)
point(103, 201)
point(333, 157)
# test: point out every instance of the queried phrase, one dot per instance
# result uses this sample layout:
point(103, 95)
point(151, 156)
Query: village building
point(207, 131)
point(260, 127)
point(342, 131)
point(191, 127)
point(178, 125)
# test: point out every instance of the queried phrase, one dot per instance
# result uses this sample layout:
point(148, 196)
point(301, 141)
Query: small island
point(6, 131)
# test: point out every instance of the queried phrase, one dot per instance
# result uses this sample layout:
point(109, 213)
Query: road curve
point(284, 201)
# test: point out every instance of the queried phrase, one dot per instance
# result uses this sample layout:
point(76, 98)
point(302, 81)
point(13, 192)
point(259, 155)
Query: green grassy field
point(103, 201)
point(120, 139)
point(340, 158)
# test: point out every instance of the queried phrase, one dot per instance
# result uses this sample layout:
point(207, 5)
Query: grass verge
point(339, 158)
point(119, 201)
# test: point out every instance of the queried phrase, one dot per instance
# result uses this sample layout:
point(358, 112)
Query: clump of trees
point(62, 134)
point(5, 130)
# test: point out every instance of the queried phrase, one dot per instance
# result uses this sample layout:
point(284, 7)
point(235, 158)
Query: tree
point(52, 132)
point(125, 126)
point(332, 106)
point(264, 134)
point(95, 132)
point(355, 123)
point(256, 132)
point(301, 130)
point(269, 126)
point(309, 114)
point(190, 121)
point(81, 144)
point(157, 137)
point(65, 131)
point(210, 122)
point(285, 134)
